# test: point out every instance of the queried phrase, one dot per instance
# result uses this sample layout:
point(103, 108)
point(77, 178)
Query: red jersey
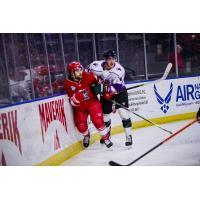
point(41, 88)
point(83, 86)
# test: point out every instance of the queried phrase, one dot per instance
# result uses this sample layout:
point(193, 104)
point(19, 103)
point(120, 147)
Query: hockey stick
point(167, 70)
point(140, 116)
point(113, 163)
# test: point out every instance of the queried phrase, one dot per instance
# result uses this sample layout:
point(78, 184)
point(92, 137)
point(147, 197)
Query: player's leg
point(80, 119)
point(122, 98)
point(107, 121)
point(96, 116)
point(127, 125)
point(107, 109)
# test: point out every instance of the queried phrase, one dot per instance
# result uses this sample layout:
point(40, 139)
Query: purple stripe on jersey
point(119, 87)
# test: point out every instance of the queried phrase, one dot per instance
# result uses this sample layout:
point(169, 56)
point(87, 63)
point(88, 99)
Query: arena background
point(33, 66)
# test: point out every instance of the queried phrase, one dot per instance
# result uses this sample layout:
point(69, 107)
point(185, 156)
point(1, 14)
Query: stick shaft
point(167, 70)
point(141, 116)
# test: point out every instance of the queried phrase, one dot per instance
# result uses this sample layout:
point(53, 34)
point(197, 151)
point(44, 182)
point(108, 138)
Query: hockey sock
point(127, 126)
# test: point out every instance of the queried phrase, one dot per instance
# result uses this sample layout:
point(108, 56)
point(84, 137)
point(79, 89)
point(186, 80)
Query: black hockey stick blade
point(113, 163)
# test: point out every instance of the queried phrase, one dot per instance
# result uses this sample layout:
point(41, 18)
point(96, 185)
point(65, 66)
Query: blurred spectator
point(57, 78)
point(179, 59)
point(24, 77)
point(57, 86)
point(18, 87)
point(42, 84)
point(41, 81)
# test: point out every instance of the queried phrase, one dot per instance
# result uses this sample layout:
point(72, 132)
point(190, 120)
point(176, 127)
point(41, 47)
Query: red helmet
point(41, 70)
point(73, 66)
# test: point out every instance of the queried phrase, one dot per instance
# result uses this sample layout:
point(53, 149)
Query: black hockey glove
point(99, 88)
point(96, 88)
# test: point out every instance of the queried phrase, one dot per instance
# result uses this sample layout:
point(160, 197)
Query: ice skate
point(128, 140)
point(107, 141)
point(102, 141)
point(86, 140)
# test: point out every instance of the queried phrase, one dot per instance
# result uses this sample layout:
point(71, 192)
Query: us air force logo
point(164, 101)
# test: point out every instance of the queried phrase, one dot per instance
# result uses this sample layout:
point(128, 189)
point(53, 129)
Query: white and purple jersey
point(115, 77)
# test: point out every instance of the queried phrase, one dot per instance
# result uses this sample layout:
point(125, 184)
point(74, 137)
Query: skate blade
point(109, 149)
point(128, 147)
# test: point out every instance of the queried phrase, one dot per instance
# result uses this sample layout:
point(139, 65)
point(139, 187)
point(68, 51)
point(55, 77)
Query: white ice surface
point(181, 150)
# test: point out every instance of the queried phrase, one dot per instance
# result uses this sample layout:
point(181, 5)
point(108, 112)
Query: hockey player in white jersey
point(112, 74)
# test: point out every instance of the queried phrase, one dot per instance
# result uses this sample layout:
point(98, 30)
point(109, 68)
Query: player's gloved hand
point(74, 101)
point(100, 88)
point(105, 88)
point(105, 74)
point(79, 97)
point(96, 88)
point(108, 95)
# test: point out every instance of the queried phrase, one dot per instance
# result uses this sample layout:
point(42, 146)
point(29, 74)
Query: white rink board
point(22, 141)
point(31, 146)
point(185, 98)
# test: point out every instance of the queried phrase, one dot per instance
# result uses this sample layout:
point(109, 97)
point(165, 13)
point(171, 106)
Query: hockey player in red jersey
point(85, 102)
